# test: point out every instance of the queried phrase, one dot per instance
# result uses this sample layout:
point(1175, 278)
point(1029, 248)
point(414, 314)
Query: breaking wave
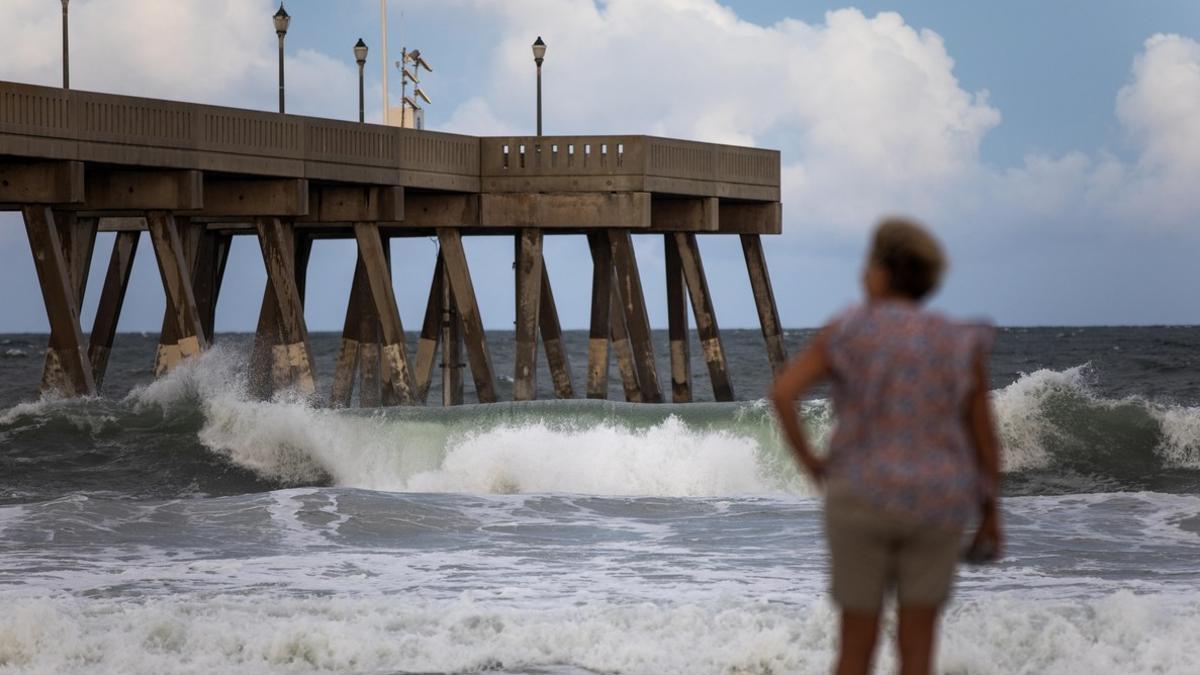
point(1058, 436)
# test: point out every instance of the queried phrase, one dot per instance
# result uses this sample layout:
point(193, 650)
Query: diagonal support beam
point(552, 340)
point(277, 239)
point(112, 299)
point(633, 301)
point(77, 236)
point(62, 309)
point(764, 300)
point(177, 282)
point(458, 275)
point(706, 318)
point(393, 355)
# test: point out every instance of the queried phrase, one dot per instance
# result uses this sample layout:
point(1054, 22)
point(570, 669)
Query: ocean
point(179, 526)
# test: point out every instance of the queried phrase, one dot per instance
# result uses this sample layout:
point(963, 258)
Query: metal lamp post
point(539, 55)
point(360, 55)
point(282, 21)
point(66, 50)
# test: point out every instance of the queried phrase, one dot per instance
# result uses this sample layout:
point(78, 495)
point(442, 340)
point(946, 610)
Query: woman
point(914, 455)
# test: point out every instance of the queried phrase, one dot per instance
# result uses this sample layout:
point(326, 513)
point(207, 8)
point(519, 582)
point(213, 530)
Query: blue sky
point(1050, 144)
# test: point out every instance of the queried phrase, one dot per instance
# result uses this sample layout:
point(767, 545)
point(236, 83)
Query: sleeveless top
point(900, 378)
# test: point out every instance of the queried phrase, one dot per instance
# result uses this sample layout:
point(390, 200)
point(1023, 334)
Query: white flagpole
point(384, 55)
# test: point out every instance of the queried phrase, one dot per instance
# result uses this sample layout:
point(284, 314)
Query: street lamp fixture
point(282, 21)
point(539, 55)
point(66, 63)
point(360, 56)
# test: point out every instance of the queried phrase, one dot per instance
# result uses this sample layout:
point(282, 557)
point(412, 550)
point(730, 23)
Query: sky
point(1054, 147)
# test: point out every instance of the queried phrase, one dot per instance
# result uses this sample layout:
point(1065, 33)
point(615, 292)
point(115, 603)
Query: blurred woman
point(913, 458)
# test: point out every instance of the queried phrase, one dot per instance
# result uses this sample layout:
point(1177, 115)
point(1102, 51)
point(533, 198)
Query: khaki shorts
point(871, 551)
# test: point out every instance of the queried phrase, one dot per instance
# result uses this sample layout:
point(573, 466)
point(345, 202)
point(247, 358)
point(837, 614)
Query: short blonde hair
point(912, 257)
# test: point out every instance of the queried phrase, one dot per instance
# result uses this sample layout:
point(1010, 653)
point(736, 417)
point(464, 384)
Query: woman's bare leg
point(857, 646)
point(916, 637)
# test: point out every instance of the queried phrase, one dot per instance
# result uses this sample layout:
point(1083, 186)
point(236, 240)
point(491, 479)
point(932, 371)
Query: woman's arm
point(802, 373)
point(987, 451)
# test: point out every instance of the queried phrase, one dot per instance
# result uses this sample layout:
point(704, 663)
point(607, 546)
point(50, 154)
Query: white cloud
point(867, 110)
point(207, 51)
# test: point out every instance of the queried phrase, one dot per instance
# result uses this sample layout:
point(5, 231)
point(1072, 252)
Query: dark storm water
point(180, 526)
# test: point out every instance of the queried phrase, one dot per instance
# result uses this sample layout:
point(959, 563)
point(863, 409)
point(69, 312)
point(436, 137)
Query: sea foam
point(1117, 633)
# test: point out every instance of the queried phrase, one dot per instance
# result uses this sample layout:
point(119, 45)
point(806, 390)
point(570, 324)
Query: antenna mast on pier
point(384, 55)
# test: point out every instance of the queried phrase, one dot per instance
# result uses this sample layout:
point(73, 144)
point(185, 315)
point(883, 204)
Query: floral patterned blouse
point(901, 378)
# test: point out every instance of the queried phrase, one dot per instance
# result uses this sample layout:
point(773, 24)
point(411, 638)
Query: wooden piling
point(177, 282)
point(393, 353)
point(529, 302)
point(552, 340)
point(431, 331)
point(677, 323)
point(764, 300)
point(277, 239)
point(77, 236)
point(112, 299)
point(452, 337)
point(629, 287)
point(622, 347)
point(346, 366)
point(706, 318)
point(458, 275)
point(601, 325)
point(212, 253)
point(168, 354)
point(68, 358)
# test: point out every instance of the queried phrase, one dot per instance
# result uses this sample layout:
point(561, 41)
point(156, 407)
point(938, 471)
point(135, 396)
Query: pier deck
point(76, 163)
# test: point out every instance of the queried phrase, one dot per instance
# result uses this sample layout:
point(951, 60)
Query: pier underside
point(194, 177)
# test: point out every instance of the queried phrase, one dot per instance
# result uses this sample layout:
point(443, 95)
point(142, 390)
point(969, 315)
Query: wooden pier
point(194, 176)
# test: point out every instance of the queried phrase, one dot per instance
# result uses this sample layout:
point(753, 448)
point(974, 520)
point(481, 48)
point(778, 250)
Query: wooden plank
point(177, 282)
point(28, 183)
point(687, 214)
point(751, 217)
point(292, 354)
point(393, 353)
point(429, 209)
point(70, 363)
point(529, 302)
point(431, 331)
point(237, 197)
point(629, 287)
point(677, 323)
point(112, 299)
point(458, 274)
point(355, 203)
point(346, 367)
point(764, 301)
point(552, 340)
point(706, 318)
point(600, 326)
point(565, 210)
point(131, 190)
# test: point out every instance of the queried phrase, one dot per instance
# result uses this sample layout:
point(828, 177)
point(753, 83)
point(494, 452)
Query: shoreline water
point(181, 526)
